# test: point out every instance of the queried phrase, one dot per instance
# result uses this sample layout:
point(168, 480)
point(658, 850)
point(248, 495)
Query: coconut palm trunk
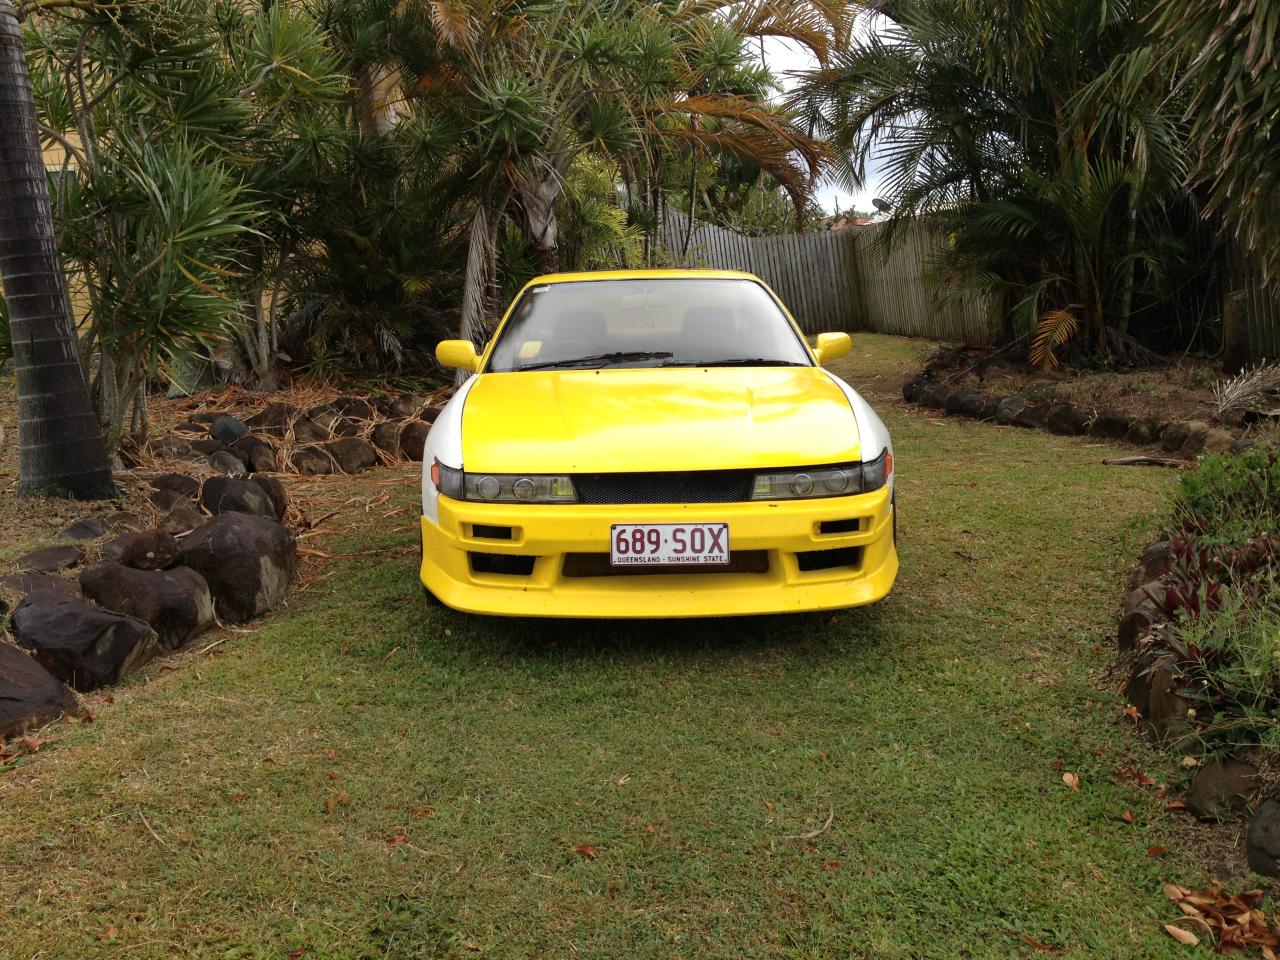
point(60, 447)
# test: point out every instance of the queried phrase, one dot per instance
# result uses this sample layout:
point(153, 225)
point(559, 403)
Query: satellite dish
point(883, 206)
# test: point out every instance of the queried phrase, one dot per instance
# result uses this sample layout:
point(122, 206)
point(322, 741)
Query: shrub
point(1230, 498)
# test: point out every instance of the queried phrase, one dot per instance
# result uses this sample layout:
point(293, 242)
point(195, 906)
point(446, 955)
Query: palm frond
point(1056, 327)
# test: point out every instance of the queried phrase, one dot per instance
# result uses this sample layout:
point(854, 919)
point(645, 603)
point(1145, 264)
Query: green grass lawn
point(368, 776)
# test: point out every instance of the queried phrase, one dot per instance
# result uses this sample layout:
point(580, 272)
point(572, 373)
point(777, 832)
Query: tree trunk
point(481, 266)
point(1235, 332)
point(60, 450)
point(537, 197)
point(375, 114)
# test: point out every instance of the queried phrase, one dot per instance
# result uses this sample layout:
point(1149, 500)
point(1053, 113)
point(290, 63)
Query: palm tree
point(61, 450)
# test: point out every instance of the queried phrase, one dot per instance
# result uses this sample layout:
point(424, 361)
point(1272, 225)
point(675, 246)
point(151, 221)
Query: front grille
point(693, 486)
point(810, 560)
point(598, 565)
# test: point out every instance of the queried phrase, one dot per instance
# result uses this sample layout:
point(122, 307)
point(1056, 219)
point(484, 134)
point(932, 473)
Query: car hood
point(631, 420)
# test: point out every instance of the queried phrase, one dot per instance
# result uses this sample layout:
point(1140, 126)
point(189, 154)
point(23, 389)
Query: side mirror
point(460, 354)
point(832, 346)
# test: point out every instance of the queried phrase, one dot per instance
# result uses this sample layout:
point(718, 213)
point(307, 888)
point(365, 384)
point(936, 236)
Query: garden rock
point(986, 407)
point(1174, 436)
point(306, 430)
point(170, 500)
point(86, 528)
point(273, 487)
point(1167, 710)
point(178, 482)
point(228, 429)
point(911, 388)
point(405, 405)
point(1262, 844)
point(82, 644)
point(170, 448)
point(181, 520)
point(311, 461)
point(1008, 408)
point(1068, 420)
point(353, 455)
point(333, 423)
point(1197, 430)
point(192, 428)
point(1144, 430)
point(1110, 424)
point(30, 696)
point(227, 464)
point(22, 585)
point(223, 494)
point(386, 437)
point(124, 522)
point(259, 455)
point(1221, 789)
point(207, 448)
point(963, 403)
point(144, 550)
point(50, 559)
point(274, 419)
point(247, 561)
point(1155, 563)
point(1032, 416)
point(176, 603)
point(355, 408)
point(934, 396)
point(413, 439)
point(1218, 441)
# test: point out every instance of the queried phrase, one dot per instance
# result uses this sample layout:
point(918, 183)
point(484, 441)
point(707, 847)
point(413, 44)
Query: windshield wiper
point(601, 359)
point(736, 362)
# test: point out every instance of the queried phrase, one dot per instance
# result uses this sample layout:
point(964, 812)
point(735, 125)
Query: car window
point(646, 323)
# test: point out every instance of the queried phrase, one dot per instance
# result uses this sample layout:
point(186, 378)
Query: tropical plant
point(62, 450)
point(1042, 140)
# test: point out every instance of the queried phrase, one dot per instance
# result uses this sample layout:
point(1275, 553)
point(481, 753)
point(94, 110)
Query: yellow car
point(658, 443)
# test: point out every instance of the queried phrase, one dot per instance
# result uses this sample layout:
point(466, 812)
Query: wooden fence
point(842, 279)
point(1261, 307)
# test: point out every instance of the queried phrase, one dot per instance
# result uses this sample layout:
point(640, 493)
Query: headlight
point(839, 480)
point(502, 487)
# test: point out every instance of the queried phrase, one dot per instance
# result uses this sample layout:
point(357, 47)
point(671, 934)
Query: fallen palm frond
point(1247, 389)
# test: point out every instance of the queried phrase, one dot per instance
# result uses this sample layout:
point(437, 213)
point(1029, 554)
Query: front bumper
point(784, 562)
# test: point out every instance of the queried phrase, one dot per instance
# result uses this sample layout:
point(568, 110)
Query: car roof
point(643, 275)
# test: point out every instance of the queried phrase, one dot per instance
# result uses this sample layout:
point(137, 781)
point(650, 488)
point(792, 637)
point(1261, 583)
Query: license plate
point(669, 543)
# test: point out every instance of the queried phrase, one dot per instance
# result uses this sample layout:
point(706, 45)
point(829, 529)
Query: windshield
point(590, 324)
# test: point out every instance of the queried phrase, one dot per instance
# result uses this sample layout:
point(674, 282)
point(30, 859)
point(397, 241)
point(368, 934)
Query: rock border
point(1182, 438)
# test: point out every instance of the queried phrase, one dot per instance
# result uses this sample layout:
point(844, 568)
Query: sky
point(783, 57)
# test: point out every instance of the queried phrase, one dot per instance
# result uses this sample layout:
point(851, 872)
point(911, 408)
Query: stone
point(82, 644)
point(206, 416)
point(175, 603)
point(413, 439)
point(182, 520)
point(1144, 430)
point(259, 455)
point(405, 405)
point(144, 550)
point(227, 464)
point(50, 559)
point(311, 461)
point(1221, 789)
point(306, 430)
point(228, 429)
point(207, 448)
point(123, 522)
point(86, 528)
point(1262, 842)
point(1218, 441)
point(274, 488)
point(1068, 420)
point(170, 448)
point(911, 388)
point(934, 396)
point(386, 437)
point(986, 407)
point(1133, 627)
point(1197, 430)
point(1032, 416)
point(1155, 563)
point(170, 500)
point(274, 419)
point(1174, 436)
point(1110, 424)
point(333, 423)
point(247, 561)
point(355, 408)
point(353, 455)
point(223, 494)
point(30, 696)
point(1168, 711)
point(178, 482)
point(961, 403)
point(1009, 407)
point(192, 428)
point(24, 584)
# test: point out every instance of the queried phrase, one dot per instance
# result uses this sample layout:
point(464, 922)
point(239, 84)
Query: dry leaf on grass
point(1182, 936)
point(1128, 816)
point(1072, 780)
point(1156, 851)
point(585, 850)
point(1233, 922)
